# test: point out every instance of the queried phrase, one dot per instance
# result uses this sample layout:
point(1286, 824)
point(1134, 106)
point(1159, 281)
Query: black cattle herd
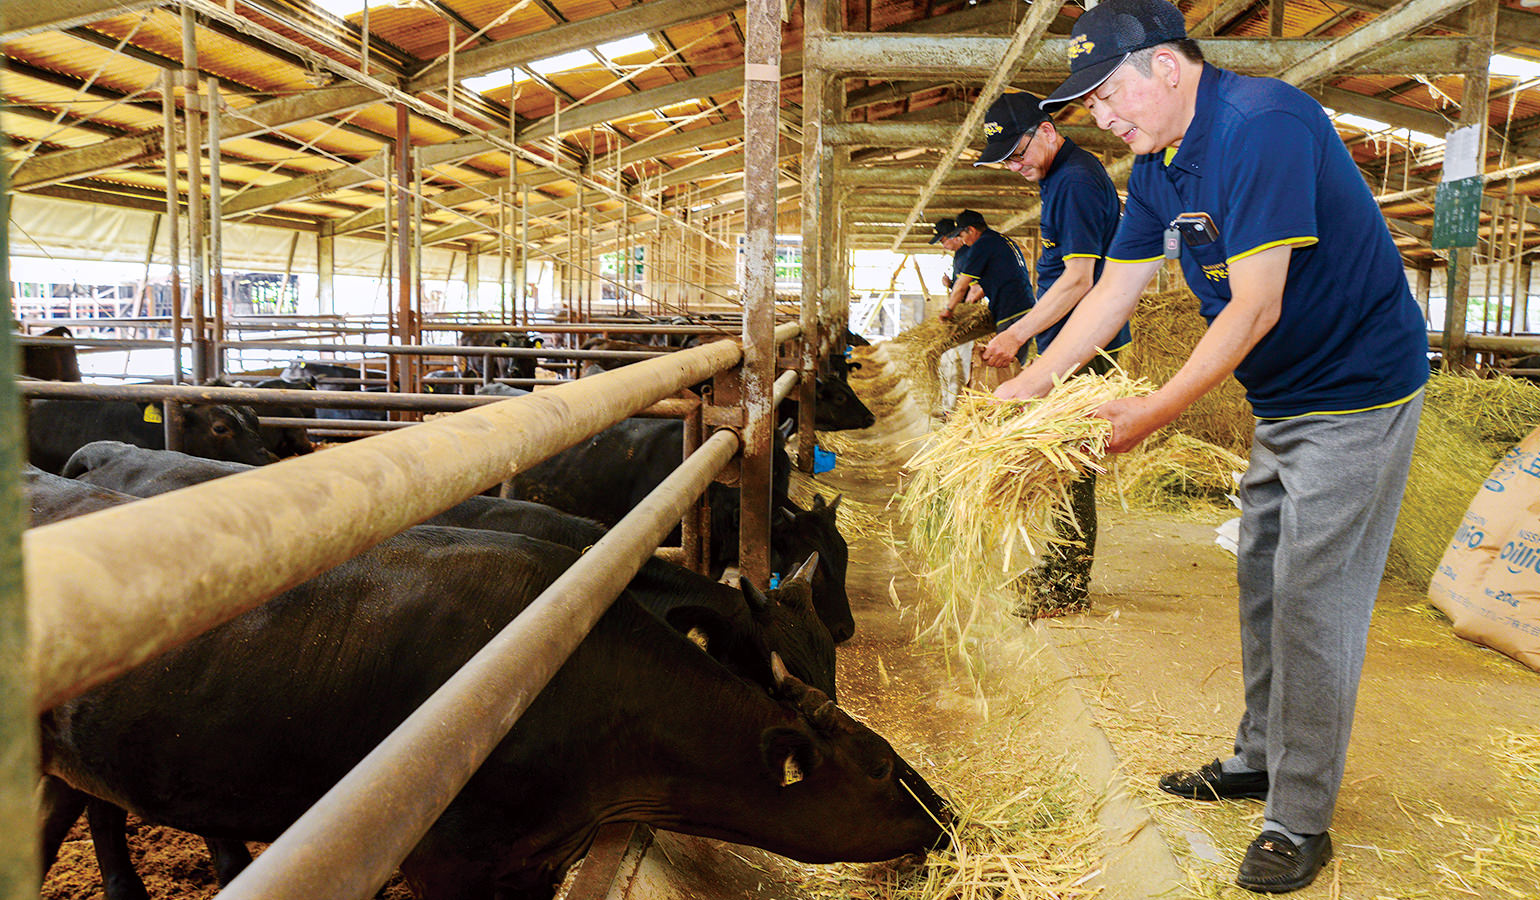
point(694, 705)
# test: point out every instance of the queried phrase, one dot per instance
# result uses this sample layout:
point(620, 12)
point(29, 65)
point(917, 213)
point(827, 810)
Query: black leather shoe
point(1273, 865)
point(1212, 782)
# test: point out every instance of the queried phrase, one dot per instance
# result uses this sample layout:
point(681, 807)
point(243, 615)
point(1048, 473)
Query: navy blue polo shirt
point(1261, 158)
point(997, 264)
point(1080, 217)
point(959, 261)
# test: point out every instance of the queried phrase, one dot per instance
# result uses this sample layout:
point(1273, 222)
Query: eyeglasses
point(1020, 157)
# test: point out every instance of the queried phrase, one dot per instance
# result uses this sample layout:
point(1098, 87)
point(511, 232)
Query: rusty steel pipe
point(349, 843)
point(590, 328)
point(74, 390)
point(783, 385)
point(451, 350)
point(101, 600)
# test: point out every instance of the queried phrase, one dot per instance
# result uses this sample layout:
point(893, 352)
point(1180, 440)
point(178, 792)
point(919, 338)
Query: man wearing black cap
point(1079, 217)
point(946, 235)
point(1247, 183)
point(996, 266)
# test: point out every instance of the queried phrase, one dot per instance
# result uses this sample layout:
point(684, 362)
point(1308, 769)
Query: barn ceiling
point(630, 112)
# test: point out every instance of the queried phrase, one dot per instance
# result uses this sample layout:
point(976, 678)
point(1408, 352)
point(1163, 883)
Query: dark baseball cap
point(944, 229)
point(1103, 37)
point(1009, 117)
point(968, 218)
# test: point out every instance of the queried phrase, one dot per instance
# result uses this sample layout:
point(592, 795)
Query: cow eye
point(881, 770)
point(221, 428)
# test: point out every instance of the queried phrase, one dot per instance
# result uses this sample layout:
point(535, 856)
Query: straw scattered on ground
point(1025, 829)
point(855, 520)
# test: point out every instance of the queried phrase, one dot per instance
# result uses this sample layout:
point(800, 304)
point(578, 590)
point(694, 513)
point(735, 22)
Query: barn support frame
point(1473, 111)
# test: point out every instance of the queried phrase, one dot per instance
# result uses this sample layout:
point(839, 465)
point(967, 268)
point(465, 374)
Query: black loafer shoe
point(1273, 865)
point(1212, 782)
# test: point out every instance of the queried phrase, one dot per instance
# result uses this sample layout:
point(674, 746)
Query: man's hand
point(946, 314)
point(946, 281)
point(1025, 386)
point(1134, 419)
point(1002, 350)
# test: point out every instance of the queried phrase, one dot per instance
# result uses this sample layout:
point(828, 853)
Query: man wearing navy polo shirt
point(1079, 217)
point(1246, 180)
point(946, 235)
point(997, 266)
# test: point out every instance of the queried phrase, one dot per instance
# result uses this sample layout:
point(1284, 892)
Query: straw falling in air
point(990, 489)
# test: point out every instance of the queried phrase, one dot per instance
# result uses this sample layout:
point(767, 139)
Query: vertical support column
point(192, 103)
point(522, 247)
point(761, 140)
point(841, 266)
point(1473, 111)
point(412, 333)
point(403, 237)
point(217, 234)
point(817, 181)
point(326, 269)
point(19, 874)
point(173, 219)
point(473, 276)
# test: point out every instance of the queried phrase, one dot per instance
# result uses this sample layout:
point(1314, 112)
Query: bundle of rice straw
point(918, 350)
point(854, 518)
point(1166, 326)
point(998, 473)
point(1177, 471)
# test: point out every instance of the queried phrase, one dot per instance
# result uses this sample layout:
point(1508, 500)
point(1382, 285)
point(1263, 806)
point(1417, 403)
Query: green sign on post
point(1457, 213)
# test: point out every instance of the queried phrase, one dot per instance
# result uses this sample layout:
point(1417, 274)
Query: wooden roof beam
point(18, 18)
point(1348, 51)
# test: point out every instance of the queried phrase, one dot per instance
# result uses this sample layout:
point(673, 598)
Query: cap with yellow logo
point(1009, 117)
point(1103, 37)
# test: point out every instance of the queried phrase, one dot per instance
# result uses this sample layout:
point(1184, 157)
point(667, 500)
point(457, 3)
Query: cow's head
point(843, 793)
point(224, 432)
point(795, 534)
point(789, 626)
point(838, 408)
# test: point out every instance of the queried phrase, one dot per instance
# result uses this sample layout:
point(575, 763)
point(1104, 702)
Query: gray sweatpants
point(1318, 506)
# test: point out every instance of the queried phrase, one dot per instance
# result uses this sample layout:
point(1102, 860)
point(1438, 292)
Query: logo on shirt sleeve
point(1216, 271)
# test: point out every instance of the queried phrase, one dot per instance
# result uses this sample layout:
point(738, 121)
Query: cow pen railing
point(101, 600)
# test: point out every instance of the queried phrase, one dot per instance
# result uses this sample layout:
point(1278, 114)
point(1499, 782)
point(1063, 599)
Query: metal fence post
point(18, 746)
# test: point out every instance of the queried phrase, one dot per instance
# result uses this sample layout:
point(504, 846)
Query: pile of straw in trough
point(1176, 471)
point(991, 488)
point(853, 518)
point(1166, 327)
point(1501, 408)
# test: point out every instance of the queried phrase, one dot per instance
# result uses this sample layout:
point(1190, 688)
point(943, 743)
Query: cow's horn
point(778, 669)
point(805, 571)
point(756, 598)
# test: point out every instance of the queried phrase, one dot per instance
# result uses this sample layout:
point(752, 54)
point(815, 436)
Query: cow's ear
point(835, 505)
point(789, 755)
point(818, 502)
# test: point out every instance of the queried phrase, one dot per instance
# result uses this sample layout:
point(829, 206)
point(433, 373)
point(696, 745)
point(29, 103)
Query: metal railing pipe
point(349, 843)
point(1499, 343)
point(101, 600)
point(783, 385)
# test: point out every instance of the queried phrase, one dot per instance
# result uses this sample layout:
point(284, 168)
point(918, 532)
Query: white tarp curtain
point(64, 229)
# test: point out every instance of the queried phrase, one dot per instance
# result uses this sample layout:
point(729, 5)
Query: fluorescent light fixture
point(1513, 66)
point(563, 62)
point(637, 43)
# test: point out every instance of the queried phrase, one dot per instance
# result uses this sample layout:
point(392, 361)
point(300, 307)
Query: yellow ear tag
point(539, 343)
point(152, 415)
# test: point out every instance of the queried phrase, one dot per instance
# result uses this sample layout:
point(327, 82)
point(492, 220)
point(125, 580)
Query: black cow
point(638, 725)
point(734, 622)
point(605, 476)
point(57, 428)
point(332, 377)
point(52, 498)
point(785, 620)
point(502, 366)
point(500, 390)
point(282, 441)
point(51, 363)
